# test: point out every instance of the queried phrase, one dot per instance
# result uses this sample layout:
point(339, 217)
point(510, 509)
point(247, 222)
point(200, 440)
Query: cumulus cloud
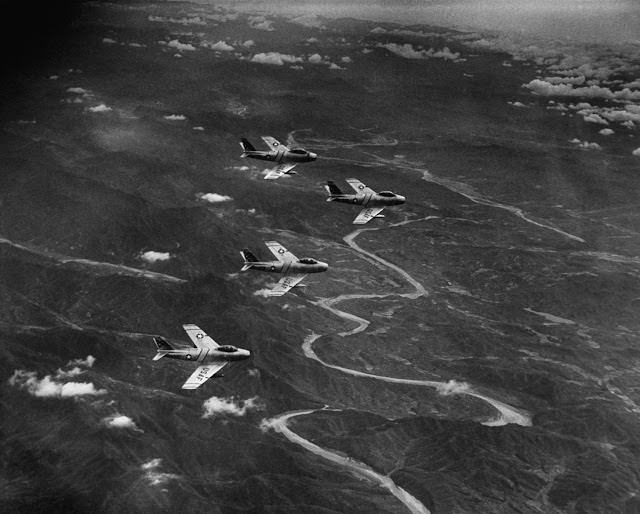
point(76, 366)
point(77, 91)
point(88, 362)
point(191, 20)
point(249, 43)
point(595, 118)
point(516, 104)
point(155, 477)
point(606, 132)
point(174, 43)
point(586, 145)
point(120, 421)
point(345, 59)
point(153, 257)
point(49, 387)
point(199, 128)
point(215, 405)
point(220, 46)
point(261, 23)
point(544, 88)
point(109, 41)
point(409, 52)
point(334, 66)
point(215, 198)
point(100, 108)
point(275, 58)
point(453, 387)
point(315, 59)
point(175, 117)
point(636, 152)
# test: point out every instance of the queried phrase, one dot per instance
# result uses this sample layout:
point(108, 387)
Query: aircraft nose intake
point(313, 156)
point(401, 198)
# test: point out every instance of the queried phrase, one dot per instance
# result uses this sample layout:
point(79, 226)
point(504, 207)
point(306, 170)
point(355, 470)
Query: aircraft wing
point(367, 215)
point(286, 283)
point(278, 171)
point(273, 143)
point(359, 187)
point(281, 253)
point(203, 373)
point(199, 337)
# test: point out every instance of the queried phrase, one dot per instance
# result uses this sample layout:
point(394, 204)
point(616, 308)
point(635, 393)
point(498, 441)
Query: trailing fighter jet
point(372, 201)
point(210, 356)
point(294, 269)
point(285, 157)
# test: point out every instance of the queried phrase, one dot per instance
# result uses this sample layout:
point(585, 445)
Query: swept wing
point(199, 337)
point(367, 215)
point(359, 187)
point(286, 283)
point(281, 253)
point(274, 144)
point(278, 171)
point(202, 374)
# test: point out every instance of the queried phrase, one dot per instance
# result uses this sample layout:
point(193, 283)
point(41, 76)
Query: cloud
point(606, 132)
point(220, 46)
point(544, 88)
point(636, 152)
point(260, 23)
point(315, 59)
point(409, 52)
point(100, 108)
point(517, 104)
point(191, 20)
point(109, 41)
point(334, 66)
point(88, 362)
point(249, 43)
point(174, 43)
point(199, 128)
point(346, 59)
point(120, 421)
point(153, 257)
point(77, 90)
point(453, 387)
point(585, 144)
point(49, 387)
point(594, 118)
point(175, 117)
point(215, 405)
point(154, 476)
point(275, 58)
point(215, 198)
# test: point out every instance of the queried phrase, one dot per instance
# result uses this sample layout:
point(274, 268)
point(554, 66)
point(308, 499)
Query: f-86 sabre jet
point(210, 356)
point(294, 269)
point(286, 158)
point(365, 196)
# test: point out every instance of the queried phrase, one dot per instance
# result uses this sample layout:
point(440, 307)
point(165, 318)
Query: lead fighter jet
point(210, 356)
point(294, 269)
point(285, 157)
point(372, 201)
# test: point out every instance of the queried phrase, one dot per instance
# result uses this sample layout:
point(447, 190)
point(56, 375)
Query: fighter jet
point(210, 356)
point(372, 201)
point(285, 157)
point(294, 269)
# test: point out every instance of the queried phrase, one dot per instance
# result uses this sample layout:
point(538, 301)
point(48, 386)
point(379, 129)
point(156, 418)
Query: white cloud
point(367, 50)
point(594, 118)
point(175, 117)
point(544, 88)
point(516, 104)
point(192, 20)
point(174, 43)
point(334, 66)
point(77, 90)
point(409, 52)
point(275, 58)
point(453, 387)
point(153, 257)
point(120, 421)
point(199, 128)
point(606, 132)
point(216, 405)
point(100, 108)
point(88, 362)
point(54, 77)
point(109, 41)
point(137, 45)
point(215, 198)
point(346, 59)
point(73, 372)
point(636, 152)
point(249, 43)
point(315, 59)
point(261, 23)
point(154, 476)
point(378, 30)
point(220, 46)
point(48, 387)
point(585, 144)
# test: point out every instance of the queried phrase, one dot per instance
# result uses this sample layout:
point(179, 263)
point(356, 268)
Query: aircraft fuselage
point(206, 355)
point(282, 156)
point(290, 267)
point(369, 199)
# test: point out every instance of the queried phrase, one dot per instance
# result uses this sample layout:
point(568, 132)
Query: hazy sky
point(589, 20)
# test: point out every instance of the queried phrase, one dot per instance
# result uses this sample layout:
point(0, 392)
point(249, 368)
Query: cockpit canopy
point(227, 348)
point(299, 151)
point(308, 260)
point(388, 194)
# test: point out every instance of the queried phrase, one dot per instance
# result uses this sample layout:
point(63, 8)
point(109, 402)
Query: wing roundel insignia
point(281, 250)
point(361, 187)
point(275, 143)
point(199, 335)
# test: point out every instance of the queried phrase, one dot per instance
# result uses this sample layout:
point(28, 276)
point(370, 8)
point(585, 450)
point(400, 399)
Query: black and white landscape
point(475, 351)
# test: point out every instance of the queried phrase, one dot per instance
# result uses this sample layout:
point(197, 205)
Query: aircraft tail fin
point(162, 346)
point(249, 259)
point(246, 147)
point(333, 190)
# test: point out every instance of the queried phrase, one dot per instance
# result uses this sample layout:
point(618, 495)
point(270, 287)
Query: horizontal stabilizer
point(332, 189)
point(246, 146)
point(162, 345)
point(160, 354)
